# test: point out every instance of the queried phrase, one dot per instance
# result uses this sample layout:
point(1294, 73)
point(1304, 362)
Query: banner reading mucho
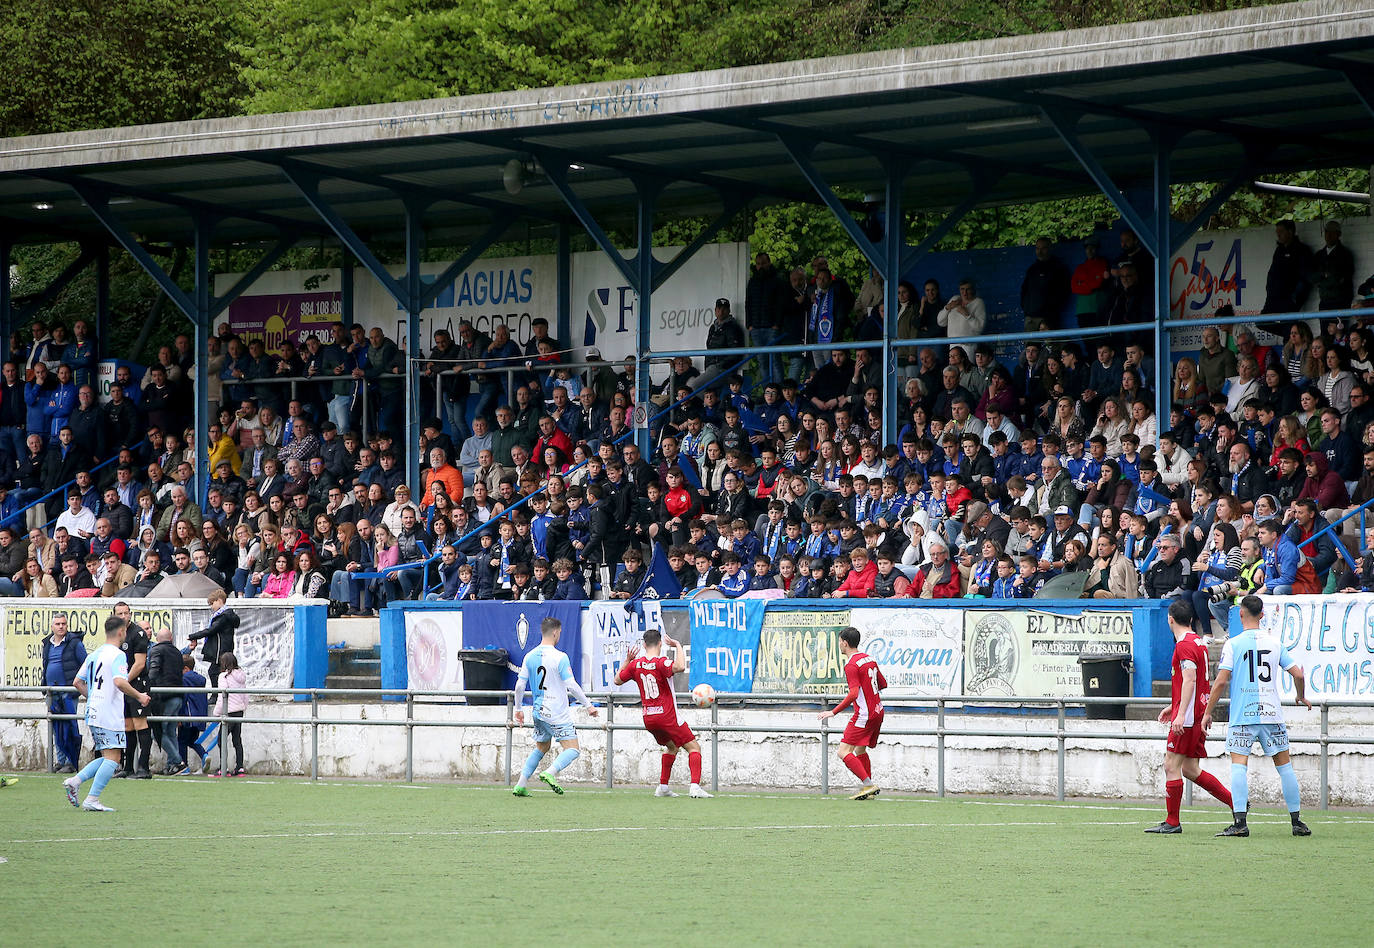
point(725, 640)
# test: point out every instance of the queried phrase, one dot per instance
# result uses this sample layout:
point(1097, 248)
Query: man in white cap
point(1333, 270)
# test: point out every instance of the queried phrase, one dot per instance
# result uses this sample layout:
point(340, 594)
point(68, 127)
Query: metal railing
point(969, 708)
point(295, 380)
point(509, 371)
point(20, 516)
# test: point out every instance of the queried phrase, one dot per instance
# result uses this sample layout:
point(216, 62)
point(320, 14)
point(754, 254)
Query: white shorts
point(1272, 739)
point(544, 731)
point(106, 739)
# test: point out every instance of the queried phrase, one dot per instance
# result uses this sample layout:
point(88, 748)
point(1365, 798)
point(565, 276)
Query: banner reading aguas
point(1331, 637)
point(1035, 654)
point(725, 641)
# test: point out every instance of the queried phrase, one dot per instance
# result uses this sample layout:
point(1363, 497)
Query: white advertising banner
point(1035, 654)
point(513, 290)
point(920, 651)
point(1331, 637)
point(433, 641)
point(608, 631)
point(1216, 268)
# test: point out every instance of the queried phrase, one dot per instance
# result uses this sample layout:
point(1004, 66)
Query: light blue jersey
point(1255, 660)
point(548, 675)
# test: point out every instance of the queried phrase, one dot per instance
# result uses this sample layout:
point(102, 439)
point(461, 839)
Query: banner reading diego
point(725, 639)
point(613, 631)
point(799, 652)
point(25, 626)
point(920, 651)
point(514, 626)
point(1035, 654)
point(1331, 637)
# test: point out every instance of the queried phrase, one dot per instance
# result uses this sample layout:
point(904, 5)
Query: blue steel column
point(414, 289)
point(564, 332)
point(1163, 251)
point(644, 277)
point(893, 247)
point(200, 295)
point(102, 300)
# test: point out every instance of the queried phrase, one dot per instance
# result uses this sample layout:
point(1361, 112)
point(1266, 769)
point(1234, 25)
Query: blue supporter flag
point(660, 582)
point(689, 473)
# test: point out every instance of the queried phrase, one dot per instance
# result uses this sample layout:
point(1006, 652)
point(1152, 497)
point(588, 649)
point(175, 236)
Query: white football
point(703, 696)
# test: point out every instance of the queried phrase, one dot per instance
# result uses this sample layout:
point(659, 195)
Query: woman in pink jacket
point(231, 676)
point(279, 582)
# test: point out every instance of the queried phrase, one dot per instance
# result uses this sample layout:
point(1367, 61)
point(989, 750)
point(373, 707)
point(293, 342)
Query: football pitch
point(288, 862)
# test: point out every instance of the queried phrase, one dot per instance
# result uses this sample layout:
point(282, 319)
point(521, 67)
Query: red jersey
point(863, 673)
point(1192, 650)
point(654, 676)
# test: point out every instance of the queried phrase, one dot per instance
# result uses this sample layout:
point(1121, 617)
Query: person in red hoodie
point(551, 436)
point(862, 574)
point(1324, 485)
point(937, 579)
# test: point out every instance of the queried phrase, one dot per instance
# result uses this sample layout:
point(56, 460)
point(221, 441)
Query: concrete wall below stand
point(974, 765)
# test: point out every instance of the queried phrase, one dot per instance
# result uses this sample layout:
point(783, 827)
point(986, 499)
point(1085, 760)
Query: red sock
point(1173, 791)
point(852, 762)
point(666, 770)
point(866, 763)
point(694, 765)
point(1214, 786)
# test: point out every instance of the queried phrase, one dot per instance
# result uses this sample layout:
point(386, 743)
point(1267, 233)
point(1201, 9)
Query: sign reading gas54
point(1215, 276)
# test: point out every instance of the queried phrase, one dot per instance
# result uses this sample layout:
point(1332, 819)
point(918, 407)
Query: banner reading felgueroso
point(1035, 654)
point(264, 644)
point(513, 290)
point(1331, 637)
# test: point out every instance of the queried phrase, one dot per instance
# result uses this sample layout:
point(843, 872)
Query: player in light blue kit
point(548, 675)
point(103, 676)
point(1251, 663)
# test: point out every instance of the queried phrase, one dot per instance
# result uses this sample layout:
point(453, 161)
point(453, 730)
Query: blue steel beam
point(6, 307)
point(1181, 231)
point(1064, 125)
point(102, 298)
point(894, 256)
point(97, 201)
point(801, 157)
point(220, 304)
point(558, 177)
point(346, 295)
point(564, 258)
point(59, 283)
point(498, 228)
point(1163, 251)
point(201, 296)
point(734, 203)
point(913, 254)
point(308, 184)
point(414, 305)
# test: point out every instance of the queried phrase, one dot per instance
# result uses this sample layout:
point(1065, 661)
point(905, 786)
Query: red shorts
point(1191, 743)
point(677, 734)
point(865, 736)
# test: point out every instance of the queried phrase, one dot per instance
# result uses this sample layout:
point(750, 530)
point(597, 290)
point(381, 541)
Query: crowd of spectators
point(765, 474)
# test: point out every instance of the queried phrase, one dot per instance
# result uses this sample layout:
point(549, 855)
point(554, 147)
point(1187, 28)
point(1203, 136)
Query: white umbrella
point(184, 586)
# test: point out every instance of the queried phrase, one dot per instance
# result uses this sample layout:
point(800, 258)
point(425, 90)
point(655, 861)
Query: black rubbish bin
point(484, 669)
point(1106, 676)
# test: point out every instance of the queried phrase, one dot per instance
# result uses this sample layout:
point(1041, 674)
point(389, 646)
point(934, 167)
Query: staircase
point(354, 668)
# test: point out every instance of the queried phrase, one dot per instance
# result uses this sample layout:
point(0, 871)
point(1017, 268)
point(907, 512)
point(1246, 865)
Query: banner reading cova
point(725, 641)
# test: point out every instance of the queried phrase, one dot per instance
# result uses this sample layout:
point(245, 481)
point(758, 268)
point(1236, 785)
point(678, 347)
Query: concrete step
point(1142, 712)
point(369, 682)
point(355, 661)
point(355, 633)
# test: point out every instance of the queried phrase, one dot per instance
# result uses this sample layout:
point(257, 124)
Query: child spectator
point(194, 709)
point(232, 706)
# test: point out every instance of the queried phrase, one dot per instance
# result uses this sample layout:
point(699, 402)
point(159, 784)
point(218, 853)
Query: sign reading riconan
point(1035, 654)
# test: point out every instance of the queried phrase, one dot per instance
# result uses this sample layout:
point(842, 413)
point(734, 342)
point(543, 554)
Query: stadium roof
point(1263, 89)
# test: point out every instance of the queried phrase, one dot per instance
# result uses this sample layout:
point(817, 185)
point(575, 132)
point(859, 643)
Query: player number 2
point(650, 687)
point(541, 677)
point(1260, 665)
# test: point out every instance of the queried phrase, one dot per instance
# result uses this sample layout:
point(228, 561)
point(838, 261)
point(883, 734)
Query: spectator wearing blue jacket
point(62, 656)
point(79, 356)
point(36, 394)
point(1285, 570)
point(1342, 454)
point(448, 575)
point(570, 583)
point(195, 707)
point(734, 581)
point(61, 403)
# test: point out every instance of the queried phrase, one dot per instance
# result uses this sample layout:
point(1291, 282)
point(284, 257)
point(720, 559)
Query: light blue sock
point(1240, 788)
point(1292, 797)
point(532, 763)
point(564, 758)
point(89, 770)
point(103, 776)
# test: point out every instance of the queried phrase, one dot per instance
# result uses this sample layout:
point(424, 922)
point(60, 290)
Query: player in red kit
point(653, 673)
point(865, 681)
point(1187, 745)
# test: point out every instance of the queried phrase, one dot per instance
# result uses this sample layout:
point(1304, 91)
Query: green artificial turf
point(286, 862)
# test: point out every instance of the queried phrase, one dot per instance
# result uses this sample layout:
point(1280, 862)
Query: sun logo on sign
point(522, 630)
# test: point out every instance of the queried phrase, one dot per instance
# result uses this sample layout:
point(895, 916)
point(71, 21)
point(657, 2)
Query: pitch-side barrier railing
point(943, 729)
